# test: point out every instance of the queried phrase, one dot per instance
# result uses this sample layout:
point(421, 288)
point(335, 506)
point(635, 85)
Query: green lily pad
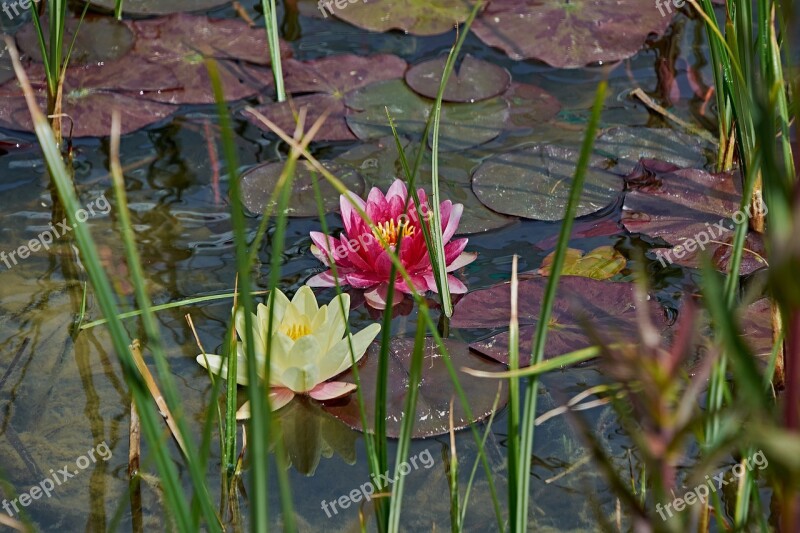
point(379, 163)
point(259, 182)
point(462, 125)
point(535, 182)
point(100, 39)
point(159, 7)
point(625, 146)
point(608, 307)
point(530, 105)
point(417, 17)
point(323, 84)
point(473, 81)
point(604, 262)
point(432, 416)
point(569, 34)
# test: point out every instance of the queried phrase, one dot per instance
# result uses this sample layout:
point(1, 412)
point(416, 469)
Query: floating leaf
point(378, 162)
point(462, 125)
point(530, 105)
point(535, 182)
point(328, 79)
point(608, 307)
point(159, 7)
point(259, 182)
point(691, 210)
point(90, 96)
point(474, 79)
point(182, 42)
point(604, 262)
point(417, 17)
point(626, 145)
point(435, 391)
point(569, 34)
point(99, 39)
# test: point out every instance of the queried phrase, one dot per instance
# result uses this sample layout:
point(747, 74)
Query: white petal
point(305, 301)
point(217, 367)
point(338, 359)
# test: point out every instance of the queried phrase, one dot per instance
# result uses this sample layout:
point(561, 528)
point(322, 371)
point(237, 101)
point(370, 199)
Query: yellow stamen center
point(295, 331)
point(390, 230)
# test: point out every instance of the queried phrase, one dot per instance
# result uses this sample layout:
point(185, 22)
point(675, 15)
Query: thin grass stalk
point(259, 411)
point(202, 497)
point(407, 427)
point(419, 299)
point(513, 439)
point(519, 520)
point(173, 490)
point(452, 474)
point(271, 22)
point(118, 10)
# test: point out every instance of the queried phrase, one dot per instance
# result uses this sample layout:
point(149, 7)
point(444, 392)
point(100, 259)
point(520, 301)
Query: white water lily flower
point(308, 345)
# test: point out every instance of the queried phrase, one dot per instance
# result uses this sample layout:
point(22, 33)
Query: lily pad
point(159, 7)
point(378, 162)
point(530, 105)
point(608, 307)
point(90, 96)
point(462, 125)
point(626, 145)
point(182, 42)
point(604, 262)
point(417, 17)
point(691, 210)
point(535, 182)
point(100, 39)
point(259, 182)
point(569, 34)
point(327, 80)
point(472, 81)
point(435, 392)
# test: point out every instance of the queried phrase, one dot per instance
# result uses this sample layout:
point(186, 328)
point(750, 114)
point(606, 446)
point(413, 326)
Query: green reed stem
point(271, 22)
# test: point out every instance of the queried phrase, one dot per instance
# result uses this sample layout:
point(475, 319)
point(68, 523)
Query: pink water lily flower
point(361, 261)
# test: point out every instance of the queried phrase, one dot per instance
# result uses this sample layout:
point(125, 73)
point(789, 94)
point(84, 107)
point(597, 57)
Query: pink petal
point(323, 243)
point(323, 279)
point(362, 280)
point(462, 260)
point(279, 396)
point(397, 190)
point(376, 298)
point(331, 390)
point(456, 286)
point(454, 217)
point(453, 249)
point(348, 212)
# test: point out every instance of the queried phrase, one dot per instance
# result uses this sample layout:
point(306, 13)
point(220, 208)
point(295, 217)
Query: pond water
point(62, 393)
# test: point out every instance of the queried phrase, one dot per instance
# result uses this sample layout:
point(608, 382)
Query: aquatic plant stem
point(271, 22)
point(519, 520)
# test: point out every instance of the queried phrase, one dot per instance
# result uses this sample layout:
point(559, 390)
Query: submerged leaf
point(569, 34)
point(259, 182)
point(159, 7)
point(608, 308)
point(99, 39)
point(435, 391)
point(417, 17)
point(535, 182)
point(604, 262)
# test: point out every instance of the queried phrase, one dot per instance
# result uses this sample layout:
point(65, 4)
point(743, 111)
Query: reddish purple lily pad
point(6, 69)
point(322, 84)
point(432, 415)
point(181, 42)
point(535, 183)
point(417, 17)
point(159, 7)
point(99, 39)
point(90, 96)
point(690, 209)
point(473, 80)
point(569, 34)
point(530, 105)
point(609, 308)
point(259, 182)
